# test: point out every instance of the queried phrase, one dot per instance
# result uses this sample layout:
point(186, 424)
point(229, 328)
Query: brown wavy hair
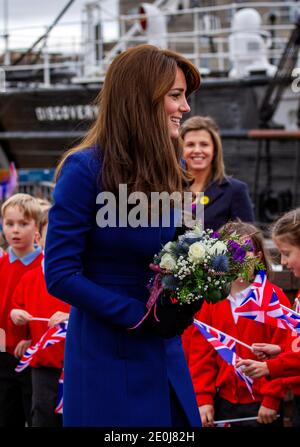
point(131, 128)
point(287, 227)
point(207, 123)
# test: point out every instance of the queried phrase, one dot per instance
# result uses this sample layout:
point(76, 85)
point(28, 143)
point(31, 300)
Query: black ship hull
point(37, 125)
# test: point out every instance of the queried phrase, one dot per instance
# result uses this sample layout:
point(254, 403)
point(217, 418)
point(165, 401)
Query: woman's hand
point(253, 368)
point(21, 348)
point(264, 351)
point(172, 319)
point(20, 317)
point(266, 415)
point(58, 317)
point(207, 414)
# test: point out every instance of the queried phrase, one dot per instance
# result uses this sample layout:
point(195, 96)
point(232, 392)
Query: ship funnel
point(154, 25)
point(248, 45)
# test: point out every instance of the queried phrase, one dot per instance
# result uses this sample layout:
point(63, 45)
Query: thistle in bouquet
point(201, 265)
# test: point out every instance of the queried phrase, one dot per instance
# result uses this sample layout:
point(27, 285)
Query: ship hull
point(36, 126)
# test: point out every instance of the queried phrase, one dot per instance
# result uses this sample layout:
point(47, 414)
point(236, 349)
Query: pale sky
point(28, 19)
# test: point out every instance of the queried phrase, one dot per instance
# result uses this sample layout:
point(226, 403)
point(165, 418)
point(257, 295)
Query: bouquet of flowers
point(201, 265)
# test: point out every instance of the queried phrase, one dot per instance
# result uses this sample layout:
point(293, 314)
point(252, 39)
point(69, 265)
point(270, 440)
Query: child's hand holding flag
point(253, 368)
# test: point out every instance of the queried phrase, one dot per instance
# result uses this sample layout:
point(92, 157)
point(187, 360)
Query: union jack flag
point(262, 304)
point(59, 407)
point(225, 345)
point(53, 335)
point(290, 320)
point(27, 357)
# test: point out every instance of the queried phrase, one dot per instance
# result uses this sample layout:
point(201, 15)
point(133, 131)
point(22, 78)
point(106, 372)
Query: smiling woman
point(176, 104)
point(224, 198)
point(113, 376)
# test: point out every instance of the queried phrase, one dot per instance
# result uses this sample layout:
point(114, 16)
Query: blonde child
point(220, 393)
point(31, 299)
point(21, 214)
point(44, 203)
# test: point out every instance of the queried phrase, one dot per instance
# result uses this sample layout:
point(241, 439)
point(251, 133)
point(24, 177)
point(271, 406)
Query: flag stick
point(252, 418)
point(226, 335)
point(290, 310)
point(39, 319)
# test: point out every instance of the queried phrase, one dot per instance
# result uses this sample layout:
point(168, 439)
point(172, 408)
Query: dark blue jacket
point(227, 200)
point(113, 377)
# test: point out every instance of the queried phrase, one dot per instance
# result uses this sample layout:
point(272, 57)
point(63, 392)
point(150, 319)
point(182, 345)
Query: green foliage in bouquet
point(202, 264)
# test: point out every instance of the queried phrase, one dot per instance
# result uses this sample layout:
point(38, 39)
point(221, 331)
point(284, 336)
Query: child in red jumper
point(21, 214)
point(220, 393)
point(283, 363)
point(31, 299)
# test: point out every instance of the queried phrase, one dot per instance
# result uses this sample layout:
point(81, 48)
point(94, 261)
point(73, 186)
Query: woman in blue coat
point(94, 260)
point(225, 198)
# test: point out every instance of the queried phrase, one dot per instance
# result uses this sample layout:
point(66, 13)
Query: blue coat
point(113, 376)
point(227, 200)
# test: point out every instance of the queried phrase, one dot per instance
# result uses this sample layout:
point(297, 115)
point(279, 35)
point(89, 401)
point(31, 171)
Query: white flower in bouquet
point(218, 248)
point(168, 247)
point(196, 252)
point(167, 262)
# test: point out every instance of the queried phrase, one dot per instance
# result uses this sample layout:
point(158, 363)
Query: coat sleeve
point(285, 365)
point(186, 341)
point(271, 388)
point(241, 205)
point(71, 218)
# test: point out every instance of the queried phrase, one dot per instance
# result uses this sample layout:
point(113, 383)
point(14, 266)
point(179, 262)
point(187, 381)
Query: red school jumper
point(286, 366)
point(211, 374)
point(32, 295)
point(10, 276)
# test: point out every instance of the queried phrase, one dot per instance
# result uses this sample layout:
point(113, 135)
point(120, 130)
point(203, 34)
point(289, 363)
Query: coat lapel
point(214, 191)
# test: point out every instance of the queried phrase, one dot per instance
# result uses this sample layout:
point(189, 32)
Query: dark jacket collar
point(215, 189)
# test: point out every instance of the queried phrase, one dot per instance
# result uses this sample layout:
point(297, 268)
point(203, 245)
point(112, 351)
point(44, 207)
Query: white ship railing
point(193, 42)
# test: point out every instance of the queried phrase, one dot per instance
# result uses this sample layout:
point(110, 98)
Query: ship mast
point(6, 34)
